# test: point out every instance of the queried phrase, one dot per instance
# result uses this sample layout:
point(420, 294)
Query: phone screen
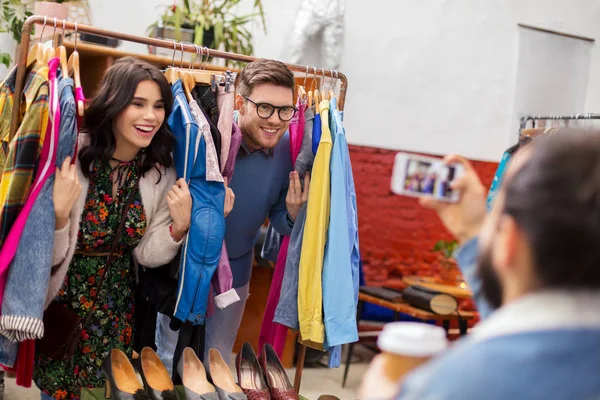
point(424, 176)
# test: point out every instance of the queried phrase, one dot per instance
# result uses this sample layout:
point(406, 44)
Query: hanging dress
point(112, 323)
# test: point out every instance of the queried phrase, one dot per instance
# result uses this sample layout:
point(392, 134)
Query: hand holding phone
point(420, 176)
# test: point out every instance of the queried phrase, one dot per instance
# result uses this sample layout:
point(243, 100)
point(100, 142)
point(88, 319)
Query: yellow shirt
point(310, 294)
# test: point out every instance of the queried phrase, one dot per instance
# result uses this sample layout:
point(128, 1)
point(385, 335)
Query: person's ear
point(507, 244)
point(239, 104)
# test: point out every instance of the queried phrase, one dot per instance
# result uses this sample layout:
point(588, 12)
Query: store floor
point(315, 381)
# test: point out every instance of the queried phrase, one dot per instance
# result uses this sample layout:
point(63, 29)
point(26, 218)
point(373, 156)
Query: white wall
point(439, 76)
point(434, 76)
point(7, 45)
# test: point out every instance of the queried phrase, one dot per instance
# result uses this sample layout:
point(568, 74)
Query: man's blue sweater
point(260, 182)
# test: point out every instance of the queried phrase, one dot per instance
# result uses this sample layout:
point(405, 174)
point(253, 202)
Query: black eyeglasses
point(265, 110)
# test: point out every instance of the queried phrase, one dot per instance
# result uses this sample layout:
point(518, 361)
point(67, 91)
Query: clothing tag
point(227, 81)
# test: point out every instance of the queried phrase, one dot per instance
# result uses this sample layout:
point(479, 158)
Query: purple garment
point(222, 280)
point(236, 141)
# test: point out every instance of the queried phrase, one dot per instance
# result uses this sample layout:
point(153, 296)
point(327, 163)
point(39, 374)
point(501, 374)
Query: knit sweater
point(260, 184)
point(156, 247)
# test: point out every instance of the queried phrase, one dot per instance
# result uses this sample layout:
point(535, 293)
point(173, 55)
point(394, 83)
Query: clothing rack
point(580, 116)
point(175, 46)
point(167, 44)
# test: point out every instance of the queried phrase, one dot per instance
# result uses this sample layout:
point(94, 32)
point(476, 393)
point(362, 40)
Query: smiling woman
point(119, 205)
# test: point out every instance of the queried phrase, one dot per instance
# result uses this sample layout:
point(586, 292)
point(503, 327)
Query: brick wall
point(396, 234)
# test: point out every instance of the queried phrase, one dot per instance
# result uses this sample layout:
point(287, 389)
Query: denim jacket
point(22, 309)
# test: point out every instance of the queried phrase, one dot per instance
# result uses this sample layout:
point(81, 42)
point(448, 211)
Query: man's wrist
point(466, 235)
point(291, 219)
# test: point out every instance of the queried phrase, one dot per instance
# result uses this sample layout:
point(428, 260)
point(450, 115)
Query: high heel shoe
point(193, 377)
point(155, 376)
point(222, 378)
point(250, 375)
point(121, 381)
point(277, 379)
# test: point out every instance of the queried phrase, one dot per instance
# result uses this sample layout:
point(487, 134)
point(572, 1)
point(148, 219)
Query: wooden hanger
point(317, 97)
point(61, 53)
point(49, 53)
point(302, 93)
point(324, 95)
point(187, 82)
point(310, 98)
point(36, 54)
point(171, 75)
point(73, 69)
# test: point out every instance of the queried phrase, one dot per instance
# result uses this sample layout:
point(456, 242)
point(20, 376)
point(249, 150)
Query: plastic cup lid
point(412, 339)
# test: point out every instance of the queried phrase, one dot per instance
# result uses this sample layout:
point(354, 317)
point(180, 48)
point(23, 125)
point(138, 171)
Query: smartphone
point(421, 176)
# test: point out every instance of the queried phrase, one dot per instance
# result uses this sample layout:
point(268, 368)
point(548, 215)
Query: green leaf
point(5, 59)
point(218, 34)
point(198, 35)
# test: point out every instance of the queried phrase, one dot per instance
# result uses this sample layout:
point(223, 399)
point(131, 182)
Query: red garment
point(271, 332)
point(24, 364)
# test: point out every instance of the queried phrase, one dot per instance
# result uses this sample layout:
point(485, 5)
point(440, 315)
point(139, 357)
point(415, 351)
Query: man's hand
point(465, 218)
point(376, 382)
point(296, 197)
point(229, 198)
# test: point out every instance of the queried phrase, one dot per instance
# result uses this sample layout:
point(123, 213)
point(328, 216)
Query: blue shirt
point(316, 133)
point(497, 182)
point(260, 182)
point(543, 346)
point(342, 256)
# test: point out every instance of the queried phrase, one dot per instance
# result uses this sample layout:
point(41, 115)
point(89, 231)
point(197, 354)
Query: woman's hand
point(229, 198)
point(66, 191)
point(179, 201)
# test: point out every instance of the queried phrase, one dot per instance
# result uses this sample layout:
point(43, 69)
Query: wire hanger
point(332, 83)
point(170, 73)
point(301, 90)
point(324, 94)
point(61, 52)
point(186, 79)
point(316, 94)
point(73, 67)
point(49, 52)
point(202, 76)
point(36, 54)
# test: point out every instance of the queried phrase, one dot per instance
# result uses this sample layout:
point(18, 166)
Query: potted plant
point(449, 271)
point(14, 13)
point(210, 23)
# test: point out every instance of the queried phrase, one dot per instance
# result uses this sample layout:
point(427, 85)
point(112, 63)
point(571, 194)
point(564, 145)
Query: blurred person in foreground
point(533, 264)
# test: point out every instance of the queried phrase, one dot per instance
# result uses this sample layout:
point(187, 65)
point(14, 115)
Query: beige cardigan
point(156, 247)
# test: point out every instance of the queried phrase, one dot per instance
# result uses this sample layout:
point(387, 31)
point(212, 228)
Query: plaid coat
point(20, 155)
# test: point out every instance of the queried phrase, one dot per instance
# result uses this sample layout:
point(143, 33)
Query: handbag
point(63, 326)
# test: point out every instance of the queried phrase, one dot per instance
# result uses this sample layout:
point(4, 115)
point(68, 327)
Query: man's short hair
point(554, 198)
point(264, 71)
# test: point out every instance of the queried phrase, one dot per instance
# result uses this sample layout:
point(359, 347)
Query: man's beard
point(490, 283)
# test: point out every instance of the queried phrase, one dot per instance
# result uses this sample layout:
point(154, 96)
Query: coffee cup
point(406, 345)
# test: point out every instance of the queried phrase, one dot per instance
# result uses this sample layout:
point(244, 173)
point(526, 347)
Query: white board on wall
point(552, 74)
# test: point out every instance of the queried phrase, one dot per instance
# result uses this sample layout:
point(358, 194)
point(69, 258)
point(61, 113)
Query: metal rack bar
point(188, 48)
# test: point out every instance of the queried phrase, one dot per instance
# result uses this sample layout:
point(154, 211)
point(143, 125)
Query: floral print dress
point(111, 325)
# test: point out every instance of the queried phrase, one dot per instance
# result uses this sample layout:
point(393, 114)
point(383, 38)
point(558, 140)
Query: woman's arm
point(163, 237)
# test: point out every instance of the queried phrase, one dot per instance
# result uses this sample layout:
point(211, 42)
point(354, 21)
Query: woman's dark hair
point(116, 92)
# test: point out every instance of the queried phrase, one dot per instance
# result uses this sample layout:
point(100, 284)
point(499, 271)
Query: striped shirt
point(24, 149)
